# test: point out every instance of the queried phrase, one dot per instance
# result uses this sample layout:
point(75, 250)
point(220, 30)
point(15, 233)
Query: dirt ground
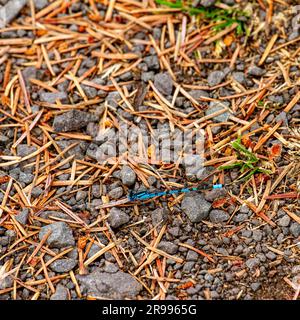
point(92, 93)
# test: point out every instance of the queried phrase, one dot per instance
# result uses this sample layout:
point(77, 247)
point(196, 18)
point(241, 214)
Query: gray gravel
point(217, 106)
point(245, 267)
point(24, 150)
point(117, 285)
point(128, 176)
point(117, 218)
point(63, 265)
point(195, 207)
point(164, 83)
point(284, 221)
point(61, 293)
point(10, 11)
point(217, 216)
point(159, 215)
point(51, 97)
point(215, 78)
point(240, 77)
point(168, 247)
point(61, 235)
point(22, 217)
point(295, 229)
point(252, 263)
point(256, 71)
point(72, 120)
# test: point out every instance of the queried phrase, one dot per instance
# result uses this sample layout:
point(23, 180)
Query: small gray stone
point(6, 282)
point(192, 256)
point(4, 241)
point(293, 35)
point(239, 77)
point(241, 217)
point(10, 10)
point(78, 150)
point(117, 285)
point(252, 263)
point(229, 276)
point(116, 193)
point(284, 221)
point(215, 78)
point(11, 234)
point(126, 76)
point(40, 4)
point(271, 255)
point(128, 176)
point(256, 71)
point(110, 267)
point(48, 214)
point(195, 207)
point(37, 191)
point(282, 116)
point(24, 150)
point(261, 257)
point(188, 266)
point(90, 92)
point(146, 76)
point(255, 286)
point(22, 217)
point(276, 99)
point(73, 254)
point(193, 165)
point(152, 62)
point(244, 209)
point(168, 247)
point(175, 231)
point(51, 97)
point(72, 120)
point(214, 194)
point(29, 73)
point(3, 139)
point(26, 177)
point(217, 216)
point(257, 235)
point(63, 265)
point(81, 195)
point(164, 83)
point(61, 293)
point(113, 98)
point(94, 249)
point(117, 218)
point(197, 94)
point(295, 229)
point(61, 235)
point(217, 106)
point(159, 215)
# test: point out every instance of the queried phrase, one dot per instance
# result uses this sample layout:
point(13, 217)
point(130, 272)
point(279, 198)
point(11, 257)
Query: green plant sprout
point(226, 17)
point(247, 162)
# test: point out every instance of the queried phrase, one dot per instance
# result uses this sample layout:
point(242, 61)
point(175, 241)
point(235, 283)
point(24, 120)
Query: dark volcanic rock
point(72, 120)
point(117, 285)
point(10, 11)
point(51, 97)
point(117, 218)
point(61, 293)
point(195, 207)
point(164, 83)
point(217, 216)
point(61, 235)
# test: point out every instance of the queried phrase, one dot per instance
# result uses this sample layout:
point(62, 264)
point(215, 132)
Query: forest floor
point(84, 84)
